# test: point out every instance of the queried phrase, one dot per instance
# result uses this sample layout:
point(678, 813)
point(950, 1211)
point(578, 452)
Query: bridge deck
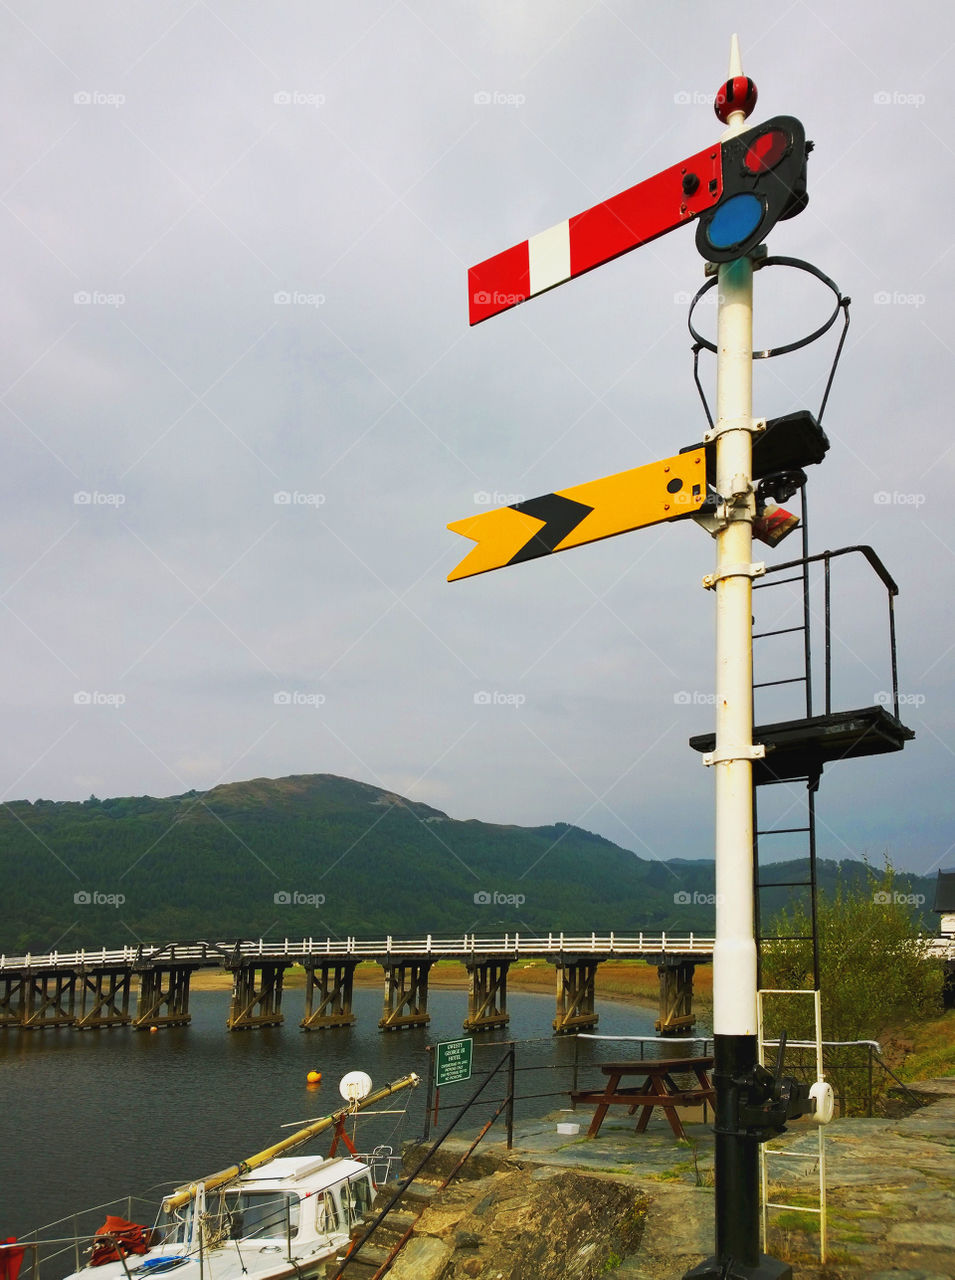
point(227, 955)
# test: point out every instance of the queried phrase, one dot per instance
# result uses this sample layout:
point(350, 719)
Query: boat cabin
point(292, 1198)
point(280, 1221)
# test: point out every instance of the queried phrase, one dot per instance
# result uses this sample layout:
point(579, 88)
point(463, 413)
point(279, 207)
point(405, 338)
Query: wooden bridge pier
point(11, 998)
point(328, 995)
point(257, 994)
point(406, 992)
point(676, 995)
point(575, 993)
point(48, 999)
point(163, 997)
point(487, 993)
point(104, 997)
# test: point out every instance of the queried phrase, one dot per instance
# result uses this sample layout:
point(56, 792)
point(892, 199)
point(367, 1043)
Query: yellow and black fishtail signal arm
point(667, 490)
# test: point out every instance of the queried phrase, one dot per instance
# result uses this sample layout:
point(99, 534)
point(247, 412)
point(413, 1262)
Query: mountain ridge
point(324, 855)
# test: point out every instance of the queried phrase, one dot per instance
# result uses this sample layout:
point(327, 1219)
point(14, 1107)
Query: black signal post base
point(765, 1269)
point(737, 1170)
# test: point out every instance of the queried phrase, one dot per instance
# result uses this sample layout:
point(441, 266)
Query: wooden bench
point(658, 1089)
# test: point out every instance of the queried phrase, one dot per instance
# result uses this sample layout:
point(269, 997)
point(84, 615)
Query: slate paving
point(890, 1188)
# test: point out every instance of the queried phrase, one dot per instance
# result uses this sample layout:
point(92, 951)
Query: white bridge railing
point(226, 954)
point(220, 955)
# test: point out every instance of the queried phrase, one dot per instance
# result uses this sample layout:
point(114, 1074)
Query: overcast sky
point(236, 239)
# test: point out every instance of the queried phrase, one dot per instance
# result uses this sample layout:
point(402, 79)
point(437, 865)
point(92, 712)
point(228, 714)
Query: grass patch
point(793, 1220)
point(668, 1175)
point(923, 1050)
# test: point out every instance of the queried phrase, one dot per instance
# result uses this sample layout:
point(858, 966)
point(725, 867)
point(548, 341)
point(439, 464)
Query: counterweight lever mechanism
point(761, 1101)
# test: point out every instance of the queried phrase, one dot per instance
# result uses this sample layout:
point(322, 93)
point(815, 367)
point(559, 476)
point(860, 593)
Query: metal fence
point(548, 1070)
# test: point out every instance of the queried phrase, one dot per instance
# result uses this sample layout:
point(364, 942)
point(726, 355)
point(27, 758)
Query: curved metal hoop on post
point(842, 304)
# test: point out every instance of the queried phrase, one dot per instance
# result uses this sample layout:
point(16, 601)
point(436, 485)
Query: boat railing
point(69, 1244)
point(69, 1234)
point(46, 1249)
point(380, 1161)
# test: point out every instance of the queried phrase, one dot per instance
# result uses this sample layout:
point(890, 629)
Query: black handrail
point(888, 1070)
point(826, 558)
point(861, 548)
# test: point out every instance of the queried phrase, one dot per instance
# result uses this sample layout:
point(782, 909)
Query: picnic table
point(658, 1089)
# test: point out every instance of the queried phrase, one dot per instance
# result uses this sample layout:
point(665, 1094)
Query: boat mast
point(184, 1194)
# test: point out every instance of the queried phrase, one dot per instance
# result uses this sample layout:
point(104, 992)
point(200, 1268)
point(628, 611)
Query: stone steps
point(377, 1249)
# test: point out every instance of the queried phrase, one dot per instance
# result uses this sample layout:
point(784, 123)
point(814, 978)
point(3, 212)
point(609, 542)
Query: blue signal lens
point(734, 220)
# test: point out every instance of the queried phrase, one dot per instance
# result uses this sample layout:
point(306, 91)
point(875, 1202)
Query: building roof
point(945, 891)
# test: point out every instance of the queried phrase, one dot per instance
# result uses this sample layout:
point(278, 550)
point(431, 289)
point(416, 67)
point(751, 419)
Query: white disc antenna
point(355, 1087)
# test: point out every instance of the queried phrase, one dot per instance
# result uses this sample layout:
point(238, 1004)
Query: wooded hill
point(326, 856)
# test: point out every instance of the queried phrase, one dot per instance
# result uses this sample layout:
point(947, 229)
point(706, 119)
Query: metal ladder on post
point(805, 826)
point(765, 777)
point(766, 1151)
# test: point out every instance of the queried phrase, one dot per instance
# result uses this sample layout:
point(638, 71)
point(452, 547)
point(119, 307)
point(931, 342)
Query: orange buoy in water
point(152, 1029)
point(314, 1077)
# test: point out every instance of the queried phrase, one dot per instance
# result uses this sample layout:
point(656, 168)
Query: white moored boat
point(272, 1216)
point(283, 1219)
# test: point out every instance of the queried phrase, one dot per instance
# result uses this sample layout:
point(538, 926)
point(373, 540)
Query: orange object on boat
point(121, 1238)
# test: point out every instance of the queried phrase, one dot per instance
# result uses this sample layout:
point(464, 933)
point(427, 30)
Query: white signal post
point(734, 972)
point(735, 1048)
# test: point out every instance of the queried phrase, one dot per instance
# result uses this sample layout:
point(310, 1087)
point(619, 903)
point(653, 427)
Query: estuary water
point(89, 1116)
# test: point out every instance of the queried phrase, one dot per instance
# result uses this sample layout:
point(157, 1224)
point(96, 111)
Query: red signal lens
point(766, 151)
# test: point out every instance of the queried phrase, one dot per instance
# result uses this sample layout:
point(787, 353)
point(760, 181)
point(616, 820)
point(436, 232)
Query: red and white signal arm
point(738, 189)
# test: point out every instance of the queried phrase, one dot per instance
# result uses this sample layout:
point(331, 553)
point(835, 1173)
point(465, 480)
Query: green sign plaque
point(453, 1061)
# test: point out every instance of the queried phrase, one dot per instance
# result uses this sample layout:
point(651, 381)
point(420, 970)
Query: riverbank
point(890, 1184)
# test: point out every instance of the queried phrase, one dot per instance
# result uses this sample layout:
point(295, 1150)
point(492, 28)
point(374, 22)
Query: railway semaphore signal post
point(735, 191)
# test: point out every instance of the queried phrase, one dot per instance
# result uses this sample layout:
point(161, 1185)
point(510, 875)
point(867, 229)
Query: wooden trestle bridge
point(93, 989)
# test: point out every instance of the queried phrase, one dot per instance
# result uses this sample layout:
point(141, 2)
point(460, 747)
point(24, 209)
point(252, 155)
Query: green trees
point(872, 974)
